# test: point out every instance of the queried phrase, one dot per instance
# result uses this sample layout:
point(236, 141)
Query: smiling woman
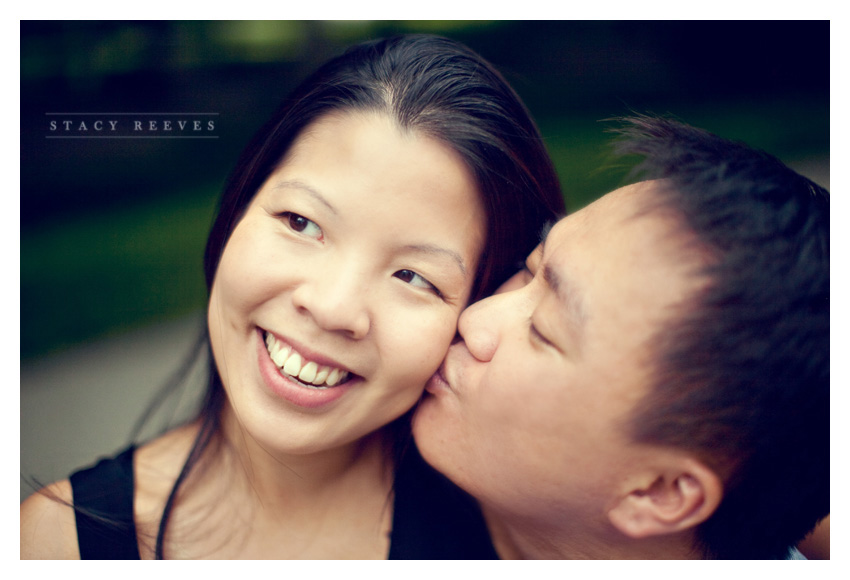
point(401, 181)
point(366, 291)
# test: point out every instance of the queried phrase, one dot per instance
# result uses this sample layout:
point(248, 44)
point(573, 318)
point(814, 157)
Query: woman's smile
point(295, 385)
point(297, 366)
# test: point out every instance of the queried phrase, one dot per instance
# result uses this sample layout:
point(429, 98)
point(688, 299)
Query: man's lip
point(441, 374)
point(307, 353)
point(438, 380)
point(451, 369)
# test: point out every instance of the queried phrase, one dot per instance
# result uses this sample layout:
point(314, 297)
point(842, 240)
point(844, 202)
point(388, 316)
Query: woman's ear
point(680, 497)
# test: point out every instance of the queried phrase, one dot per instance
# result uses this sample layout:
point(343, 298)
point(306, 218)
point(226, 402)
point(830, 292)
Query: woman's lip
point(296, 394)
point(306, 352)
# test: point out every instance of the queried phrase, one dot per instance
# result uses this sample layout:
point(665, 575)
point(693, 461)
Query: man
point(656, 385)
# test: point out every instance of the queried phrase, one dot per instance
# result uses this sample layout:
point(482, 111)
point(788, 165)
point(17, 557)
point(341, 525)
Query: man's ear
point(681, 496)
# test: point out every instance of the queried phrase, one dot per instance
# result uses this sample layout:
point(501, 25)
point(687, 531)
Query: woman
point(399, 182)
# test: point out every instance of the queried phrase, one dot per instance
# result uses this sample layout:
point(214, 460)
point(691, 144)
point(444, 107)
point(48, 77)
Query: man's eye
point(415, 279)
point(304, 226)
point(535, 334)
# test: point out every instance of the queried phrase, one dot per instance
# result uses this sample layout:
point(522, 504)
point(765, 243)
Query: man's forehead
point(616, 243)
point(625, 201)
point(606, 211)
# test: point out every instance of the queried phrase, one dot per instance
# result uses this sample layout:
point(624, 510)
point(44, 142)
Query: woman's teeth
point(292, 364)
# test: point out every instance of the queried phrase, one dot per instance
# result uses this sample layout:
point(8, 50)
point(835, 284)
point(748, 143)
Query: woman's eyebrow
point(308, 189)
point(439, 251)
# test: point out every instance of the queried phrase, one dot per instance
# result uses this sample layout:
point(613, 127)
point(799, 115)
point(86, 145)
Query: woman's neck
point(282, 481)
point(243, 501)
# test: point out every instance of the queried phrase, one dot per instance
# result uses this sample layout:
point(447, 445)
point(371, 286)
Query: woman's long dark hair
point(435, 87)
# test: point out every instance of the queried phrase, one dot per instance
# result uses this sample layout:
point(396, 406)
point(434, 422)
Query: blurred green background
point(112, 231)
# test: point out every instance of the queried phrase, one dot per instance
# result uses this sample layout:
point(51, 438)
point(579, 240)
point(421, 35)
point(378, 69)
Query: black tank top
point(432, 518)
point(103, 498)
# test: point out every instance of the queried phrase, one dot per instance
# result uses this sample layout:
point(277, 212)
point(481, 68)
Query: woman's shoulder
point(48, 524)
point(48, 518)
point(156, 466)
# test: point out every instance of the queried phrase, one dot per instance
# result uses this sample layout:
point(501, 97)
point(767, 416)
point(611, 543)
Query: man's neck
point(517, 539)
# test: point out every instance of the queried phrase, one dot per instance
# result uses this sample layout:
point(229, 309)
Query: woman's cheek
point(423, 345)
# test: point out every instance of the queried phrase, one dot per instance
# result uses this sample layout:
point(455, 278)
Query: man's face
point(528, 411)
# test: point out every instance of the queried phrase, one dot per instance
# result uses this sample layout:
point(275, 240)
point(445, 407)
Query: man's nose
point(479, 326)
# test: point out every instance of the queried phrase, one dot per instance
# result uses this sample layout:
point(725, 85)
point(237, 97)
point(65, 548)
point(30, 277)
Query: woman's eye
point(304, 226)
point(415, 279)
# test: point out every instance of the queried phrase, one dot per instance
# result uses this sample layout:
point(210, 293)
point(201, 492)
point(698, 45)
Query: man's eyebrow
point(308, 189)
point(544, 232)
point(568, 296)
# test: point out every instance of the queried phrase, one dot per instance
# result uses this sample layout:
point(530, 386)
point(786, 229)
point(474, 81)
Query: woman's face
point(339, 290)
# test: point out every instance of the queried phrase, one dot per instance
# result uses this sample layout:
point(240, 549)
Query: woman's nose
point(336, 299)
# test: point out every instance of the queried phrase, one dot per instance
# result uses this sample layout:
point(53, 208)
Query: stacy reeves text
point(122, 125)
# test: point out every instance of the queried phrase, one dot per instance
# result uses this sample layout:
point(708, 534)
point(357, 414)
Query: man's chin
point(428, 429)
point(436, 434)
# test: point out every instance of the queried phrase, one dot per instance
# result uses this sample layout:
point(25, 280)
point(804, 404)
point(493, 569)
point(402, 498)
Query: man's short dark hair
point(742, 377)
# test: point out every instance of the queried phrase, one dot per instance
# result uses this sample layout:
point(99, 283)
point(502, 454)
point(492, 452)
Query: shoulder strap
point(103, 501)
point(433, 519)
